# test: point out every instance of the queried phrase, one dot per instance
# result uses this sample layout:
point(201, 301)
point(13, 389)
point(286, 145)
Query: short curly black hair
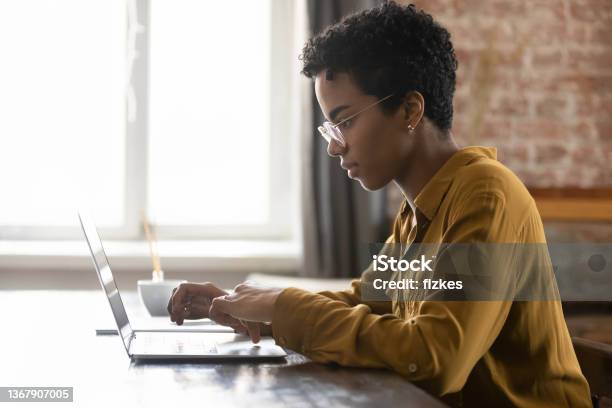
point(390, 49)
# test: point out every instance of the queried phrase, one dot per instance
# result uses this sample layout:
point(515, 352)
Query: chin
point(371, 185)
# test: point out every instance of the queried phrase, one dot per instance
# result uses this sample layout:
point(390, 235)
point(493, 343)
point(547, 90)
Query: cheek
point(384, 149)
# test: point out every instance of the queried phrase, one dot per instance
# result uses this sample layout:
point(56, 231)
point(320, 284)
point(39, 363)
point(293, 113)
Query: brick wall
point(535, 81)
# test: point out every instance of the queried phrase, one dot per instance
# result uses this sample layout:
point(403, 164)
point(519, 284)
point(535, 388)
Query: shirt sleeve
point(437, 348)
point(352, 296)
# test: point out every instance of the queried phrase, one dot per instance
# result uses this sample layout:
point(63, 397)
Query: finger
point(170, 301)
point(195, 291)
point(187, 310)
point(198, 311)
point(179, 299)
point(183, 307)
point(221, 305)
point(222, 318)
point(202, 300)
point(238, 328)
point(254, 331)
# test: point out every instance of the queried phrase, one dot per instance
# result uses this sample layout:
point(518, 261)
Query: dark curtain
point(340, 218)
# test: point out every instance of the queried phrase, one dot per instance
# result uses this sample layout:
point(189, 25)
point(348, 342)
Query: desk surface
point(48, 339)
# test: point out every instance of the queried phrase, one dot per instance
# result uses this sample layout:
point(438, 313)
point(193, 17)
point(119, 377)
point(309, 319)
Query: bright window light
point(209, 112)
point(62, 93)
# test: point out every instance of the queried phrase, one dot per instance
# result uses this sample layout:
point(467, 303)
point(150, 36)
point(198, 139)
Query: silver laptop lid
point(106, 278)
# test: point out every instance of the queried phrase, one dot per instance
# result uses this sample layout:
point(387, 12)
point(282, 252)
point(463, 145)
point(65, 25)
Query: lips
point(351, 168)
point(347, 166)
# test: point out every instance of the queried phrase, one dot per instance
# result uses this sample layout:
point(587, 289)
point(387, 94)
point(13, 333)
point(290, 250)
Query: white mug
point(155, 295)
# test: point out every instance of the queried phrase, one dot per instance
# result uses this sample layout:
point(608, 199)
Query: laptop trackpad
point(243, 346)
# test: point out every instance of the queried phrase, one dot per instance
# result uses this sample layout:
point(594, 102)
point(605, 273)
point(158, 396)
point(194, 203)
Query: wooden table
point(48, 339)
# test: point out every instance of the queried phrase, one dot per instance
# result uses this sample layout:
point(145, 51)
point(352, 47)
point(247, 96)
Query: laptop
point(169, 345)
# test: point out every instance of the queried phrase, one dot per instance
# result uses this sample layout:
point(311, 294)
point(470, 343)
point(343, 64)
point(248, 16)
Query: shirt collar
point(430, 197)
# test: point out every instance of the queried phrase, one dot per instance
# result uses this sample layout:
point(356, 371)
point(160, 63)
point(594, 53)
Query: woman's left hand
point(249, 303)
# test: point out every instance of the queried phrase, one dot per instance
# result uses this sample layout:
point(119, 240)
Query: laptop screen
point(106, 278)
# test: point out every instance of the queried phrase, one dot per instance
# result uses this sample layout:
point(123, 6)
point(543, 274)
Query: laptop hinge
point(130, 343)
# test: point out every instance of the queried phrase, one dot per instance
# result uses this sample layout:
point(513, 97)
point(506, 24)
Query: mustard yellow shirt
point(478, 353)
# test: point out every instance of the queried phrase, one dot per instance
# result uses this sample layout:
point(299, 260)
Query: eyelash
point(346, 124)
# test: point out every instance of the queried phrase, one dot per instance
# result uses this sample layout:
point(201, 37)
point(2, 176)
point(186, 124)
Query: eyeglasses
point(331, 131)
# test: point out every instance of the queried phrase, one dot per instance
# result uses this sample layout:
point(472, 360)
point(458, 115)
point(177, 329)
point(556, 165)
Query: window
point(177, 107)
point(62, 128)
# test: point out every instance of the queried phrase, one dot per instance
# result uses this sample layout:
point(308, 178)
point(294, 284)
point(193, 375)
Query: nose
point(334, 148)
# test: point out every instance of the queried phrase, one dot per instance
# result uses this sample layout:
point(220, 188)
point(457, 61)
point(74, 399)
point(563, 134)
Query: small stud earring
point(410, 128)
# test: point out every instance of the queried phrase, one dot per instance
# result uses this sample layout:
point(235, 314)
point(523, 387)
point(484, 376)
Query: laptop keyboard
point(172, 343)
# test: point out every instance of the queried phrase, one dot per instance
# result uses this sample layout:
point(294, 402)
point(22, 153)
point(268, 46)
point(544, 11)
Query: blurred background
point(194, 113)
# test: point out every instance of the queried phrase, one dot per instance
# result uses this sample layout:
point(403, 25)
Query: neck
point(431, 151)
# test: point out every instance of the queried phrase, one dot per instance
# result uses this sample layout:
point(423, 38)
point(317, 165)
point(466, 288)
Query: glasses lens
point(334, 133)
point(324, 133)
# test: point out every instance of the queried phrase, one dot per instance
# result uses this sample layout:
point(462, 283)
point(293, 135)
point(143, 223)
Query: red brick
point(606, 149)
point(542, 129)
point(593, 105)
point(540, 177)
point(604, 129)
point(550, 153)
point(513, 58)
point(515, 155)
point(507, 9)
point(584, 130)
point(578, 82)
point(545, 81)
point(600, 177)
point(552, 107)
point(547, 33)
point(465, 56)
point(469, 7)
point(603, 83)
point(546, 58)
point(601, 33)
point(584, 177)
point(585, 153)
point(510, 104)
point(593, 10)
point(585, 103)
point(494, 130)
point(547, 10)
point(606, 105)
point(580, 33)
point(594, 60)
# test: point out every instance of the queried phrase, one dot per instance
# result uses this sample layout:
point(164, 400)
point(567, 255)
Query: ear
point(413, 109)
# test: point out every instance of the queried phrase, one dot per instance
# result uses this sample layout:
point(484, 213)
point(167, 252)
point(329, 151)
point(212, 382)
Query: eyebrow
point(334, 113)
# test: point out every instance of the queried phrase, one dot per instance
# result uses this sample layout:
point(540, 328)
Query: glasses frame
point(331, 131)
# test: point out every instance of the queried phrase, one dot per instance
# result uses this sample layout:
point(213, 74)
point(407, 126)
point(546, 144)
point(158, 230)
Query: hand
point(193, 301)
point(249, 302)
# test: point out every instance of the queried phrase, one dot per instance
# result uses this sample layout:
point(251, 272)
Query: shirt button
point(412, 367)
point(412, 321)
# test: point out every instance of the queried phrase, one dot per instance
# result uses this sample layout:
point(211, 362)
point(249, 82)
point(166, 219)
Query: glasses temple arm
point(362, 110)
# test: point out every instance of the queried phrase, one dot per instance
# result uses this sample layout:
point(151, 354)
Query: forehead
point(341, 90)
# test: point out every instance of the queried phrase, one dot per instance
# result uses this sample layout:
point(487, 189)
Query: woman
point(384, 79)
